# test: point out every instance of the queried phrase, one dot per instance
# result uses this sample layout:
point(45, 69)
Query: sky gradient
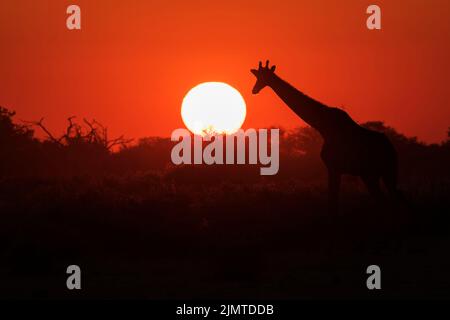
point(133, 61)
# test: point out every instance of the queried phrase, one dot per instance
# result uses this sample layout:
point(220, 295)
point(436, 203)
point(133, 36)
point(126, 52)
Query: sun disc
point(213, 108)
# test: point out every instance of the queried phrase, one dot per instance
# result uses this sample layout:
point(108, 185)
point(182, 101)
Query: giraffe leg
point(373, 186)
point(333, 223)
point(334, 182)
point(390, 181)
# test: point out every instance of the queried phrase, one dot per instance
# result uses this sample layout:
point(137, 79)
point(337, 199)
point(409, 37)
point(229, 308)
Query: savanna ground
point(140, 228)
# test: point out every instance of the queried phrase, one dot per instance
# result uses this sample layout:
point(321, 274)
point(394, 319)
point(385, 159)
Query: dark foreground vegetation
point(140, 227)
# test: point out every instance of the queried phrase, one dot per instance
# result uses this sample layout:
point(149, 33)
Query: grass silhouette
point(140, 227)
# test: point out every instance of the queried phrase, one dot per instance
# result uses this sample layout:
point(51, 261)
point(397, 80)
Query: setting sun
point(213, 108)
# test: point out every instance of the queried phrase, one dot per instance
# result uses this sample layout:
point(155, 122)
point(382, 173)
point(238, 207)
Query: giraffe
point(348, 148)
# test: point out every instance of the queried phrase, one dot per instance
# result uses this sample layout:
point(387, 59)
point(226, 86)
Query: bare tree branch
point(40, 124)
point(94, 133)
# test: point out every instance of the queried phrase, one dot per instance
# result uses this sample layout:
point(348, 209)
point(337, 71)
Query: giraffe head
point(262, 74)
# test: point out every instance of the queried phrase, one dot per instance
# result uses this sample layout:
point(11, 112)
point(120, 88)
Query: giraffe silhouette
point(348, 148)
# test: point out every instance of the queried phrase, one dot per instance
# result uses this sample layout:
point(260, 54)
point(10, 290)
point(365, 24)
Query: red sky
point(133, 61)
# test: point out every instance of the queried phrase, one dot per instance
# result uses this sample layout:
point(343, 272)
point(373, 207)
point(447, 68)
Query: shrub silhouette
point(17, 145)
point(87, 150)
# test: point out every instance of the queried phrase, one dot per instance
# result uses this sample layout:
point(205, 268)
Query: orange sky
point(133, 61)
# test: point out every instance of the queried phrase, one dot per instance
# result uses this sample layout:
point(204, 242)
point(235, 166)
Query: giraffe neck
point(310, 110)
